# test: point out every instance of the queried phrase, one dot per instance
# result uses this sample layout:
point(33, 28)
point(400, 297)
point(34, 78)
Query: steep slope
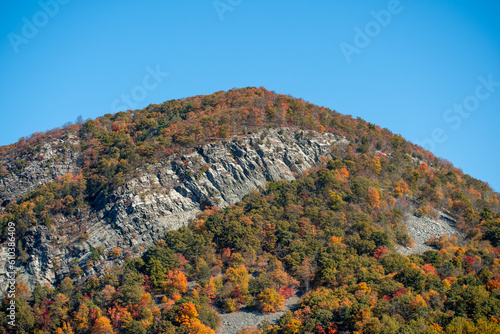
point(54, 158)
point(101, 207)
point(165, 197)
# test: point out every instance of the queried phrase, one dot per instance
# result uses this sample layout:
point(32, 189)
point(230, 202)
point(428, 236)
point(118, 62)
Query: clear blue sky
point(83, 57)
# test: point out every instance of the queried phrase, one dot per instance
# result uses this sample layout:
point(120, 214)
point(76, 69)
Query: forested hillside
point(330, 235)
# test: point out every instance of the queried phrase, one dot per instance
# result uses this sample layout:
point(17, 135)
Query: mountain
point(279, 196)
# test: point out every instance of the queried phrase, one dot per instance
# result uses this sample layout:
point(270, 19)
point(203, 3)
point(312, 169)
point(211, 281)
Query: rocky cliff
point(163, 197)
point(51, 160)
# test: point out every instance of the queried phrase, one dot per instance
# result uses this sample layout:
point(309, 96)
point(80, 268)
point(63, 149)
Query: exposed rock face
point(236, 321)
point(52, 161)
point(165, 197)
point(422, 229)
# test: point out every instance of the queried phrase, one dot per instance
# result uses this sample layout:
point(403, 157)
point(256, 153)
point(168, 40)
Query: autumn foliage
point(331, 235)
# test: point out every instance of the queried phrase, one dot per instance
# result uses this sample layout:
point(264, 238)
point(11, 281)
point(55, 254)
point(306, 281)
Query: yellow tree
point(81, 317)
point(270, 300)
point(375, 165)
point(65, 329)
point(337, 201)
point(293, 327)
point(196, 327)
point(238, 276)
point(22, 291)
point(374, 198)
point(102, 325)
point(187, 313)
point(401, 189)
point(176, 282)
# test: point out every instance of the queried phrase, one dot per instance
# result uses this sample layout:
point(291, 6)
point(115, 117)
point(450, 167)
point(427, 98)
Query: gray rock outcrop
point(421, 229)
point(164, 197)
point(54, 159)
